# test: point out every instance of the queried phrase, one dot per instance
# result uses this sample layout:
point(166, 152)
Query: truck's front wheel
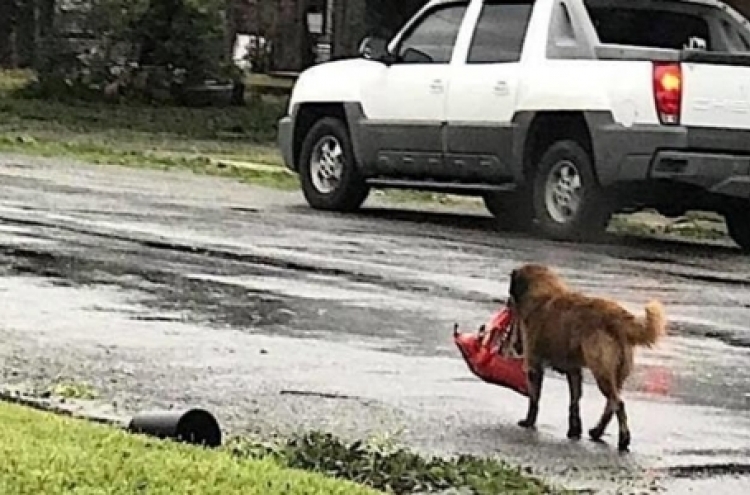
point(328, 173)
point(568, 201)
point(738, 225)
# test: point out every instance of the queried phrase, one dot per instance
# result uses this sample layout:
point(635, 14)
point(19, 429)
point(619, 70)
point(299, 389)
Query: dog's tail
point(647, 331)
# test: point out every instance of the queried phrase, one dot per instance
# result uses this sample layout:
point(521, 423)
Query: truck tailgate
point(716, 90)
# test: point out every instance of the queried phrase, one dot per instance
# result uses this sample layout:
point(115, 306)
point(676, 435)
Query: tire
point(738, 225)
point(328, 172)
point(512, 211)
point(569, 204)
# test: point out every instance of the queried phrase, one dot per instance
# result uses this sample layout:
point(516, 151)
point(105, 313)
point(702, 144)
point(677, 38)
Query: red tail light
point(668, 92)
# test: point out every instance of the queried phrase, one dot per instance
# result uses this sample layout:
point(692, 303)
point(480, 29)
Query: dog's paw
point(596, 434)
point(575, 429)
point(574, 433)
point(525, 423)
point(623, 444)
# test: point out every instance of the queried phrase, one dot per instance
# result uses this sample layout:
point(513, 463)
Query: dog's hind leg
point(623, 442)
point(575, 384)
point(535, 376)
point(601, 356)
point(609, 391)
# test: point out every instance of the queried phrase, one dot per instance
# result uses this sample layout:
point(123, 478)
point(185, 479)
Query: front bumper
point(285, 141)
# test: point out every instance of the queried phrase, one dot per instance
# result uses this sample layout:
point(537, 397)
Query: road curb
point(61, 407)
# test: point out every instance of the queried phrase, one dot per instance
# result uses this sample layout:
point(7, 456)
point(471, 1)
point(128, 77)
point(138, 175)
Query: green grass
point(267, 174)
point(243, 133)
point(44, 453)
point(237, 142)
point(70, 389)
point(693, 225)
point(142, 135)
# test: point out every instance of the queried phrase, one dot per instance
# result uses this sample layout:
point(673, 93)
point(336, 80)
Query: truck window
point(431, 39)
point(648, 27)
point(736, 36)
point(500, 32)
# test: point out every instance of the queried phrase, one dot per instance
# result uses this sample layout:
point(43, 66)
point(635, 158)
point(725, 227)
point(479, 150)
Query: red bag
point(483, 354)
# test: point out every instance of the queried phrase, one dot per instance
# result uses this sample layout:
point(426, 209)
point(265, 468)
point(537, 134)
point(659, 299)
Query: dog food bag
point(483, 358)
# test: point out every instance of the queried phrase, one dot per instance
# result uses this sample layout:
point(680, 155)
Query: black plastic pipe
point(193, 426)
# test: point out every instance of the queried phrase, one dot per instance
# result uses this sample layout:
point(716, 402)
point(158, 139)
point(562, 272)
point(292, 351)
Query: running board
point(443, 187)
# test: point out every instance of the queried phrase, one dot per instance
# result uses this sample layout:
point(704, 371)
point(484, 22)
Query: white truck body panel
point(559, 85)
point(337, 81)
point(716, 96)
point(407, 93)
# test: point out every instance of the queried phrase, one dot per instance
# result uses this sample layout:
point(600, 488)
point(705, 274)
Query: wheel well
point(307, 116)
point(547, 128)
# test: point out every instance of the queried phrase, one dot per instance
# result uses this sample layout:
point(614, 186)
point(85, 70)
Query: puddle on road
point(238, 295)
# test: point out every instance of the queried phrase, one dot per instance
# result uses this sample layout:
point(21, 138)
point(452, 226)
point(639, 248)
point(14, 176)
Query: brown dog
point(568, 331)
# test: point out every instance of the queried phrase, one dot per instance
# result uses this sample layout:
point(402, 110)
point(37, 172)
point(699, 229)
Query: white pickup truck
point(558, 113)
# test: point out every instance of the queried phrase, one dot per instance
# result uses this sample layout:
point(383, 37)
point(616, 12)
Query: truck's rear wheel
point(738, 225)
point(512, 211)
point(568, 201)
point(328, 173)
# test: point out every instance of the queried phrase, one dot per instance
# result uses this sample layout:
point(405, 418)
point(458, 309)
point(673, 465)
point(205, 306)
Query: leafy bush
point(391, 469)
point(151, 50)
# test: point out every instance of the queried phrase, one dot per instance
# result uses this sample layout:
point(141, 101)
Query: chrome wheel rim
point(563, 191)
point(327, 165)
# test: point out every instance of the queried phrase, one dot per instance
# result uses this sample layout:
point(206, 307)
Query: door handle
point(501, 88)
point(437, 86)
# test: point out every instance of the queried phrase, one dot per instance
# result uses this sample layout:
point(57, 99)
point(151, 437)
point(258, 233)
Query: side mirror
point(414, 56)
point(374, 48)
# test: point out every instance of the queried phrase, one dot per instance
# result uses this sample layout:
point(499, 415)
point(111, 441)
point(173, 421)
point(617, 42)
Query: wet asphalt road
point(170, 289)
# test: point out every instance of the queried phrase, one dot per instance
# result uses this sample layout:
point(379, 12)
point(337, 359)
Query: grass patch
point(70, 389)
point(255, 172)
point(143, 135)
point(694, 225)
point(405, 196)
point(44, 453)
point(14, 80)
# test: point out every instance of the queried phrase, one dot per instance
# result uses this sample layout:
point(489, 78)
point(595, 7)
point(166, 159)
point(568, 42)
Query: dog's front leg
point(575, 383)
point(535, 377)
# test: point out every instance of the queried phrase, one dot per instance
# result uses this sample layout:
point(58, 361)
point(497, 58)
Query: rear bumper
point(715, 160)
point(725, 174)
